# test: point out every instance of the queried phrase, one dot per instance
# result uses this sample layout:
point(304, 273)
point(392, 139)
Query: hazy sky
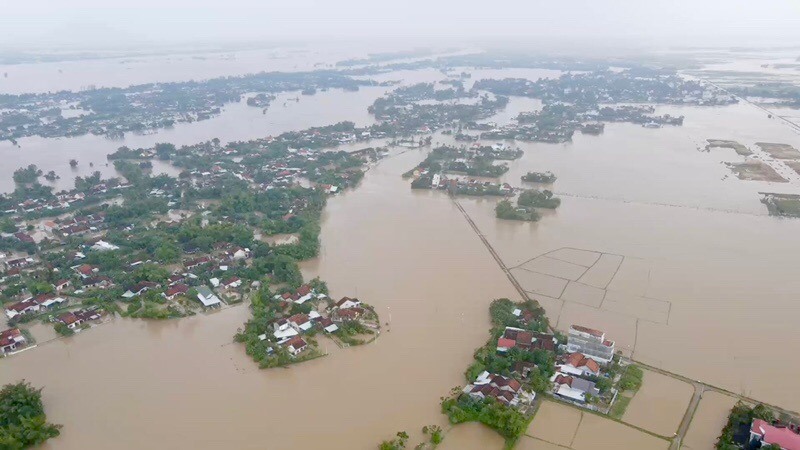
point(36, 23)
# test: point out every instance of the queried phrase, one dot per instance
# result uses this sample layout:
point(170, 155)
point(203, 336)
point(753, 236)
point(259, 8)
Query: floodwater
point(672, 397)
point(708, 420)
point(237, 122)
point(131, 70)
point(697, 280)
point(558, 425)
point(189, 387)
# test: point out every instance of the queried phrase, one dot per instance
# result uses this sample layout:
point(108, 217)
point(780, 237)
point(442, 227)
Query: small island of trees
point(539, 177)
point(23, 423)
point(527, 203)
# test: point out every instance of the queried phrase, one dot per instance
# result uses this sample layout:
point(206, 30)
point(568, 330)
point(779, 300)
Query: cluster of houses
point(59, 202)
point(287, 331)
point(587, 352)
point(465, 185)
point(34, 304)
point(506, 390)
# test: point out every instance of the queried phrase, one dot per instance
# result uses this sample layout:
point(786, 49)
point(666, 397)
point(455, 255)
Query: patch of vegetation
point(620, 405)
point(23, 423)
point(538, 199)
point(397, 443)
point(741, 415)
point(539, 177)
point(63, 330)
point(507, 421)
point(505, 210)
point(25, 175)
point(631, 379)
point(435, 433)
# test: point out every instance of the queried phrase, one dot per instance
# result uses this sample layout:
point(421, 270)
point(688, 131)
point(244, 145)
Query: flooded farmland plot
point(710, 417)
point(555, 423)
point(671, 396)
point(558, 425)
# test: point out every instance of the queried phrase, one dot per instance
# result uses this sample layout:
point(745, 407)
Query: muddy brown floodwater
point(676, 260)
point(182, 384)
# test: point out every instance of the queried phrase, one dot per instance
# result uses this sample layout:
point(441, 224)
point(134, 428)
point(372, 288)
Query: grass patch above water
point(618, 410)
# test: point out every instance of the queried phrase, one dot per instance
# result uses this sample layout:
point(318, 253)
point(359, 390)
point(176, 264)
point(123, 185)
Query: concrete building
point(590, 342)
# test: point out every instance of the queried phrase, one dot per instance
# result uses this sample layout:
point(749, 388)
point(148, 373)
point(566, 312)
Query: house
point(48, 226)
point(24, 307)
point(347, 302)
point(283, 331)
point(240, 253)
point(342, 315)
point(590, 342)
point(101, 282)
point(176, 290)
point(69, 319)
point(207, 297)
point(24, 237)
point(304, 293)
point(192, 263)
point(232, 282)
point(48, 301)
point(525, 340)
point(86, 270)
point(787, 438)
point(328, 325)
point(139, 289)
point(62, 284)
point(573, 388)
point(300, 322)
point(579, 364)
point(18, 263)
point(296, 345)
point(103, 246)
point(503, 389)
point(10, 340)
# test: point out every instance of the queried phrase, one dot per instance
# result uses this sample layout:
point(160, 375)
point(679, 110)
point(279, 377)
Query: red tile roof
point(580, 360)
point(7, 336)
point(784, 437)
point(593, 332)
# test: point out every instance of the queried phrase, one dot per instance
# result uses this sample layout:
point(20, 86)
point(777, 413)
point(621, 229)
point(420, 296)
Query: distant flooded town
point(487, 242)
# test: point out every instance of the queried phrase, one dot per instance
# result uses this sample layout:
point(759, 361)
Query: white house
point(347, 302)
point(11, 340)
point(300, 322)
point(296, 345)
point(207, 297)
point(579, 364)
point(283, 331)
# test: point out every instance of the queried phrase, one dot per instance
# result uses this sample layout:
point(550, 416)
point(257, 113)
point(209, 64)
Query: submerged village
point(230, 229)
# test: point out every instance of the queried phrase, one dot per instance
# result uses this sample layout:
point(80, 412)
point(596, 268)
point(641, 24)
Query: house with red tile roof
point(11, 340)
point(503, 389)
point(300, 322)
point(176, 290)
point(71, 320)
point(24, 307)
point(578, 364)
point(296, 345)
point(342, 315)
point(525, 340)
point(347, 302)
point(787, 438)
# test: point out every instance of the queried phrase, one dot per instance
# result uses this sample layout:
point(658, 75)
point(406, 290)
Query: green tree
point(22, 419)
